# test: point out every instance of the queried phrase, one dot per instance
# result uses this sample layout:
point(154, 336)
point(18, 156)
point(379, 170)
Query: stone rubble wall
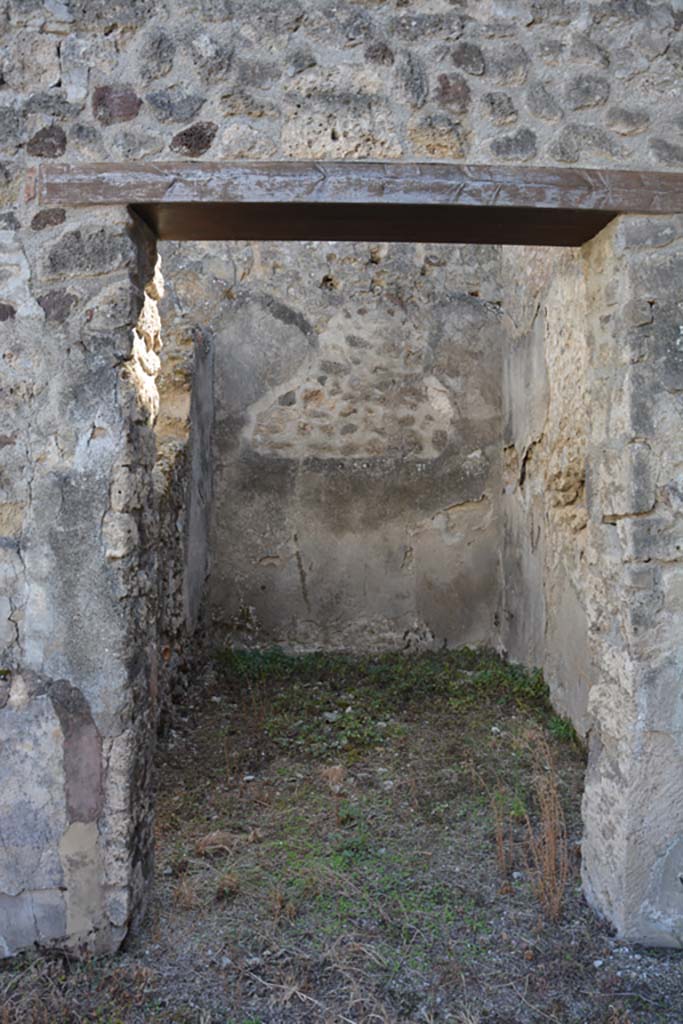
point(563, 82)
point(79, 565)
point(182, 488)
point(94, 615)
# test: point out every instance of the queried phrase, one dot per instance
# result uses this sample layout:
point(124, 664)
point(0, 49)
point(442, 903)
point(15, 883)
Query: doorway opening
point(359, 821)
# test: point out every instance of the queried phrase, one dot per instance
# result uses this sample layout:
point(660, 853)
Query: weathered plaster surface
point(74, 824)
point(547, 422)
point(633, 870)
point(593, 544)
point(353, 446)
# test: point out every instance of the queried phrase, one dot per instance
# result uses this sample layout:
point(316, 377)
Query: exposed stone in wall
point(78, 568)
point(183, 485)
point(555, 83)
point(356, 454)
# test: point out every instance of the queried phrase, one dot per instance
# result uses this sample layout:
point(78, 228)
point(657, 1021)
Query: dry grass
point(227, 887)
point(216, 842)
point(617, 1015)
point(186, 895)
point(468, 1015)
point(54, 989)
point(505, 848)
point(334, 775)
point(547, 848)
point(281, 907)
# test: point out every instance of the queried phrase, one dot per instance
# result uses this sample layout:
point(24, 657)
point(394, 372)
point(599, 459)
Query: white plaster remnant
point(75, 60)
point(15, 277)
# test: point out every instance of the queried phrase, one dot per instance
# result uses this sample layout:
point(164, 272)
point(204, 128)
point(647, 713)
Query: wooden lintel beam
point(357, 200)
point(360, 182)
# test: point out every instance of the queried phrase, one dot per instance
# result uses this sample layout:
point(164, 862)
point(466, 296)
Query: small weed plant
point(547, 847)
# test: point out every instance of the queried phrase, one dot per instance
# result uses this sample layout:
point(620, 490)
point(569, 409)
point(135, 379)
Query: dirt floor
point(340, 840)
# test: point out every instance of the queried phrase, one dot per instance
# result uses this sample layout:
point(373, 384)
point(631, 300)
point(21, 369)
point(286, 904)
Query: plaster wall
point(79, 568)
point(356, 452)
point(547, 423)
point(592, 543)
point(632, 862)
